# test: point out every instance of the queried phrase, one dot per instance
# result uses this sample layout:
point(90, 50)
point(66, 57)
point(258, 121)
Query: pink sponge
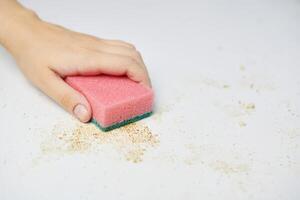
point(115, 101)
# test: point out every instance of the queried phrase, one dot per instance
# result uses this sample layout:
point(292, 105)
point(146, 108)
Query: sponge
point(115, 100)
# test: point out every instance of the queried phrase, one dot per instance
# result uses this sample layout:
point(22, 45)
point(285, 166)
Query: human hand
point(47, 53)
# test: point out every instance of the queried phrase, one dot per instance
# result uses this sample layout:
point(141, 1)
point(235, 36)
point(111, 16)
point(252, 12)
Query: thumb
point(70, 99)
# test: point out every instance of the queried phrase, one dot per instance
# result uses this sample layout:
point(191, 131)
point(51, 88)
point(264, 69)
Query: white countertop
point(226, 76)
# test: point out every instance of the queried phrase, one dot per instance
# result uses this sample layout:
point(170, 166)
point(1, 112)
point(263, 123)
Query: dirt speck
point(131, 141)
point(242, 68)
point(248, 107)
point(226, 168)
point(242, 124)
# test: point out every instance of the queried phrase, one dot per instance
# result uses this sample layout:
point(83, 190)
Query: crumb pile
point(132, 141)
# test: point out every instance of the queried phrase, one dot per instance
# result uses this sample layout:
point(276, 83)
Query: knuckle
point(131, 45)
point(129, 60)
point(87, 37)
point(127, 44)
point(89, 40)
point(133, 62)
point(136, 54)
point(86, 55)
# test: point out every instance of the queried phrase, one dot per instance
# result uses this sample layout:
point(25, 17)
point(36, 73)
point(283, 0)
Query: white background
point(204, 58)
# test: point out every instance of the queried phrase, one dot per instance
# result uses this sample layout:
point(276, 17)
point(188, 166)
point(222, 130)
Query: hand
point(47, 53)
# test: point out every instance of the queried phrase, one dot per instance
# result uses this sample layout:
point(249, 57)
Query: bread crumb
point(242, 124)
point(242, 68)
point(250, 106)
point(247, 106)
point(131, 141)
point(227, 168)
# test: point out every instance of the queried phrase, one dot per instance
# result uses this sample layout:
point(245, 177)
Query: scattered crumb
point(227, 168)
point(242, 68)
point(208, 82)
point(221, 160)
point(135, 155)
point(226, 86)
point(247, 106)
point(195, 156)
point(131, 141)
point(250, 106)
point(242, 124)
point(158, 114)
point(238, 110)
point(291, 133)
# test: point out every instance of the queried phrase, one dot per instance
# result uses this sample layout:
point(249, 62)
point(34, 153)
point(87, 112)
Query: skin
point(47, 53)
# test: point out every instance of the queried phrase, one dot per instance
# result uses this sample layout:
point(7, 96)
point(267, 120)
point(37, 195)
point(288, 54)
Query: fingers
point(112, 46)
point(90, 62)
point(94, 39)
point(119, 43)
point(112, 64)
point(96, 56)
point(66, 96)
point(119, 50)
point(114, 57)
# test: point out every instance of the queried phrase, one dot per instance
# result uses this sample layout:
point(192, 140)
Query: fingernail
point(81, 112)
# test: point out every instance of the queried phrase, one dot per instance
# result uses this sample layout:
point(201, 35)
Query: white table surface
point(208, 61)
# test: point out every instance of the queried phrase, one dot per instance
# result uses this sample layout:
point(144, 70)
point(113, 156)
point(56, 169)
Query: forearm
point(14, 22)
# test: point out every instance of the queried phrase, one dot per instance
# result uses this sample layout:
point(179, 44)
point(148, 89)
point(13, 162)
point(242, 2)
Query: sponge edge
point(115, 101)
point(120, 124)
